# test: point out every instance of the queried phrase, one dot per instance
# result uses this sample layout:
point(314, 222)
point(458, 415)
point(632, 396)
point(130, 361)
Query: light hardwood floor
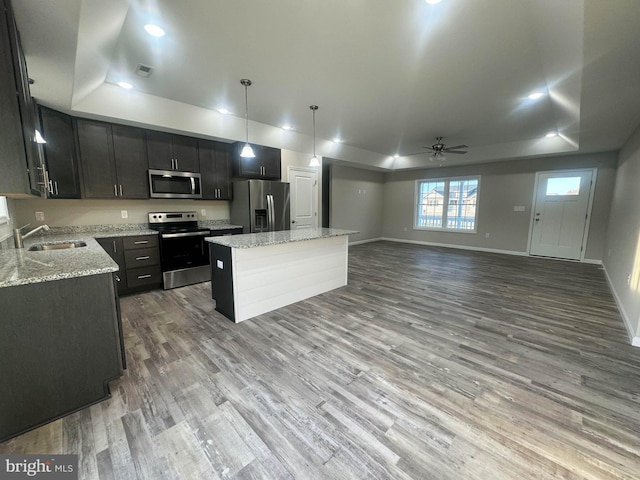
point(431, 364)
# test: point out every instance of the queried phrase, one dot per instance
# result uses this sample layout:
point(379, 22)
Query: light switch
point(203, 212)
point(220, 264)
point(40, 216)
point(124, 214)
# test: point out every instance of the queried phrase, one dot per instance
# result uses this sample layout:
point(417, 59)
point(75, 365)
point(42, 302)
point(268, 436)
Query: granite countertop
point(253, 240)
point(19, 266)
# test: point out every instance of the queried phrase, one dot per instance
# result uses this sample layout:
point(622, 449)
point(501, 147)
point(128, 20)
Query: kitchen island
point(256, 273)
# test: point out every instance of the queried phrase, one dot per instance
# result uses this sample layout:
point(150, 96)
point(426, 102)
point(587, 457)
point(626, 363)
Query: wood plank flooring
point(431, 364)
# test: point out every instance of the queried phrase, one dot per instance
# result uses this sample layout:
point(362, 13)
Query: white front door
point(560, 214)
point(304, 197)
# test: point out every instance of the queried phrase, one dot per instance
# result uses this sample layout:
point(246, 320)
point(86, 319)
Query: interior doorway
point(303, 197)
point(561, 213)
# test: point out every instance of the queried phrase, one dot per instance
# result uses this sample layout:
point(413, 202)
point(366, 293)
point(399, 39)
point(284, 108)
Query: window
point(460, 195)
point(563, 186)
point(4, 211)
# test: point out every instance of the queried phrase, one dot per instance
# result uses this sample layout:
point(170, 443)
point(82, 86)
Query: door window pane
point(563, 186)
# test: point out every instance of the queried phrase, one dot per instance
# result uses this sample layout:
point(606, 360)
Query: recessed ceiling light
point(224, 111)
point(432, 2)
point(551, 134)
point(535, 95)
point(154, 30)
point(125, 85)
point(396, 155)
point(287, 127)
point(337, 140)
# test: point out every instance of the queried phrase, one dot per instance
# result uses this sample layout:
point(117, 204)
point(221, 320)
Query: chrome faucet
point(18, 237)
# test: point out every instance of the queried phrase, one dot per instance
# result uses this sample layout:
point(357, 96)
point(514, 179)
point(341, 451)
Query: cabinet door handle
point(177, 167)
point(146, 257)
point(115, 248)
point(56, 184)
point(118, 278)
point(141, 242)
point(120, 190)
point(140, 277)
point(50, 182)
point(115, 189)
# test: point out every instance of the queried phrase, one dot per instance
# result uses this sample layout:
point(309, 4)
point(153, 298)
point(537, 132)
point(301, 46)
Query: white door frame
point(592, 189)
point(291, 168)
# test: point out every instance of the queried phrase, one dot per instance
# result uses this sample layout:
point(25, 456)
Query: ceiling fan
point(439, 149)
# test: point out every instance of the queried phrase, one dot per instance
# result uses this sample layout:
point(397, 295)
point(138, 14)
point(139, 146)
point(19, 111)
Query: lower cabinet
point(61, 347)
point(139, 260)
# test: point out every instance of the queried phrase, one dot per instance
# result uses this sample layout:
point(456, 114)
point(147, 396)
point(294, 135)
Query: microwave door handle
point(193, 185)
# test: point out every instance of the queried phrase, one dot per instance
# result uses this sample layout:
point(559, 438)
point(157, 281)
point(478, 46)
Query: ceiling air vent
point(144, 70)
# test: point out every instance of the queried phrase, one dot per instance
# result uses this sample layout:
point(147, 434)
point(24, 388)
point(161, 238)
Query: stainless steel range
point(184, 256)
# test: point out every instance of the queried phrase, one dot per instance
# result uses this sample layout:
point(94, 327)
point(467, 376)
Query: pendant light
point(247, 151)
point(314, 162)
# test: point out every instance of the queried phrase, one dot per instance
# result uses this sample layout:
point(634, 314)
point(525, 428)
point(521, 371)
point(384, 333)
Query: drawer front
point(142, 257)
point(137, 277)
point(140, 241)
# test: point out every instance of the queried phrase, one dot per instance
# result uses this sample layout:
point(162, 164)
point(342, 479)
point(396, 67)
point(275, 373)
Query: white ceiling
point(388, 75)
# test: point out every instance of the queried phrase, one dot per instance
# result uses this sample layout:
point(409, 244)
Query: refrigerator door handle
point(270, 218)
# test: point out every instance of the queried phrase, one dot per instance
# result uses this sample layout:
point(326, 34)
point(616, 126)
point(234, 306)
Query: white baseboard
point(633, 339)
point(368, 240)
point(459, 247)
point(591, 261)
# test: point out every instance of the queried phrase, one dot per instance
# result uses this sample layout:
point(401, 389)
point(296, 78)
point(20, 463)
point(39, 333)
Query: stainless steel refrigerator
point(260, 206)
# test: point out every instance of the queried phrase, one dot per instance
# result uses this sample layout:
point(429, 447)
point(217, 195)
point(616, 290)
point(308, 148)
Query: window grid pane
point(430, 204)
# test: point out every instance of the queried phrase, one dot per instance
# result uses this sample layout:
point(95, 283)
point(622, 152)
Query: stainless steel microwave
point(172, 184)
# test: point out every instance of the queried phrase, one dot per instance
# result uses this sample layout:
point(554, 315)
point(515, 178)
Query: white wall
point(357, 198)
point(503, 185)
point(622, 258)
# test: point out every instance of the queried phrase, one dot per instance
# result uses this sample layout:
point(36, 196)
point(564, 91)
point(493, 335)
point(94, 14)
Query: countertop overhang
point(253, 240)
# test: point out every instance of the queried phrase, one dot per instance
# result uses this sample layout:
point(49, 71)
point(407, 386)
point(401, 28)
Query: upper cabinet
point(62, 179)
point(265, 165)
point(166, 151)
point(113, 160)
point(20, 162)
point(215, 169)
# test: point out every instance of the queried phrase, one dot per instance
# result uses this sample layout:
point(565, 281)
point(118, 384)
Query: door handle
point(141, 277)
point(145, 257)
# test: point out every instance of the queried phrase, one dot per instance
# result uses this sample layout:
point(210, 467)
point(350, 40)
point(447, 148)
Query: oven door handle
point(186, 234)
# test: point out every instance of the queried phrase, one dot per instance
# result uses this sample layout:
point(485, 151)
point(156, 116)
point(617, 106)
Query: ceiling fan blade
point(415, 153)
point(455, 151)
point(456, 147)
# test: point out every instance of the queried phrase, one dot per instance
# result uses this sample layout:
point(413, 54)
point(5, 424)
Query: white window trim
point(4, 211)
point(447, 181)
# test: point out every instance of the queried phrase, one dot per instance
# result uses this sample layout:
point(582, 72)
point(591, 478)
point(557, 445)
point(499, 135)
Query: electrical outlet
point(40, 216)
point(203, 212)
point(628, 279)
point(609, 253)
point(405, 229)
point(124, 214)
point(487, 235)
point(518, 208)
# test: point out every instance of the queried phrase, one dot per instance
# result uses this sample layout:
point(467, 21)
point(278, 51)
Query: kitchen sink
point(39, 247)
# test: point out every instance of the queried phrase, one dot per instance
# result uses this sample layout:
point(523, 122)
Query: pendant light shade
point(314, 162)
point(247, 151)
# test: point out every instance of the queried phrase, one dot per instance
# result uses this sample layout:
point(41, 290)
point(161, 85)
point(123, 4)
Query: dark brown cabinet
point(166, 151)
point(20, 162)
point(215, 169)
point(113, 160)
point(138, 257)
point(265, 165)
point(62, 179)
point(130, 156)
